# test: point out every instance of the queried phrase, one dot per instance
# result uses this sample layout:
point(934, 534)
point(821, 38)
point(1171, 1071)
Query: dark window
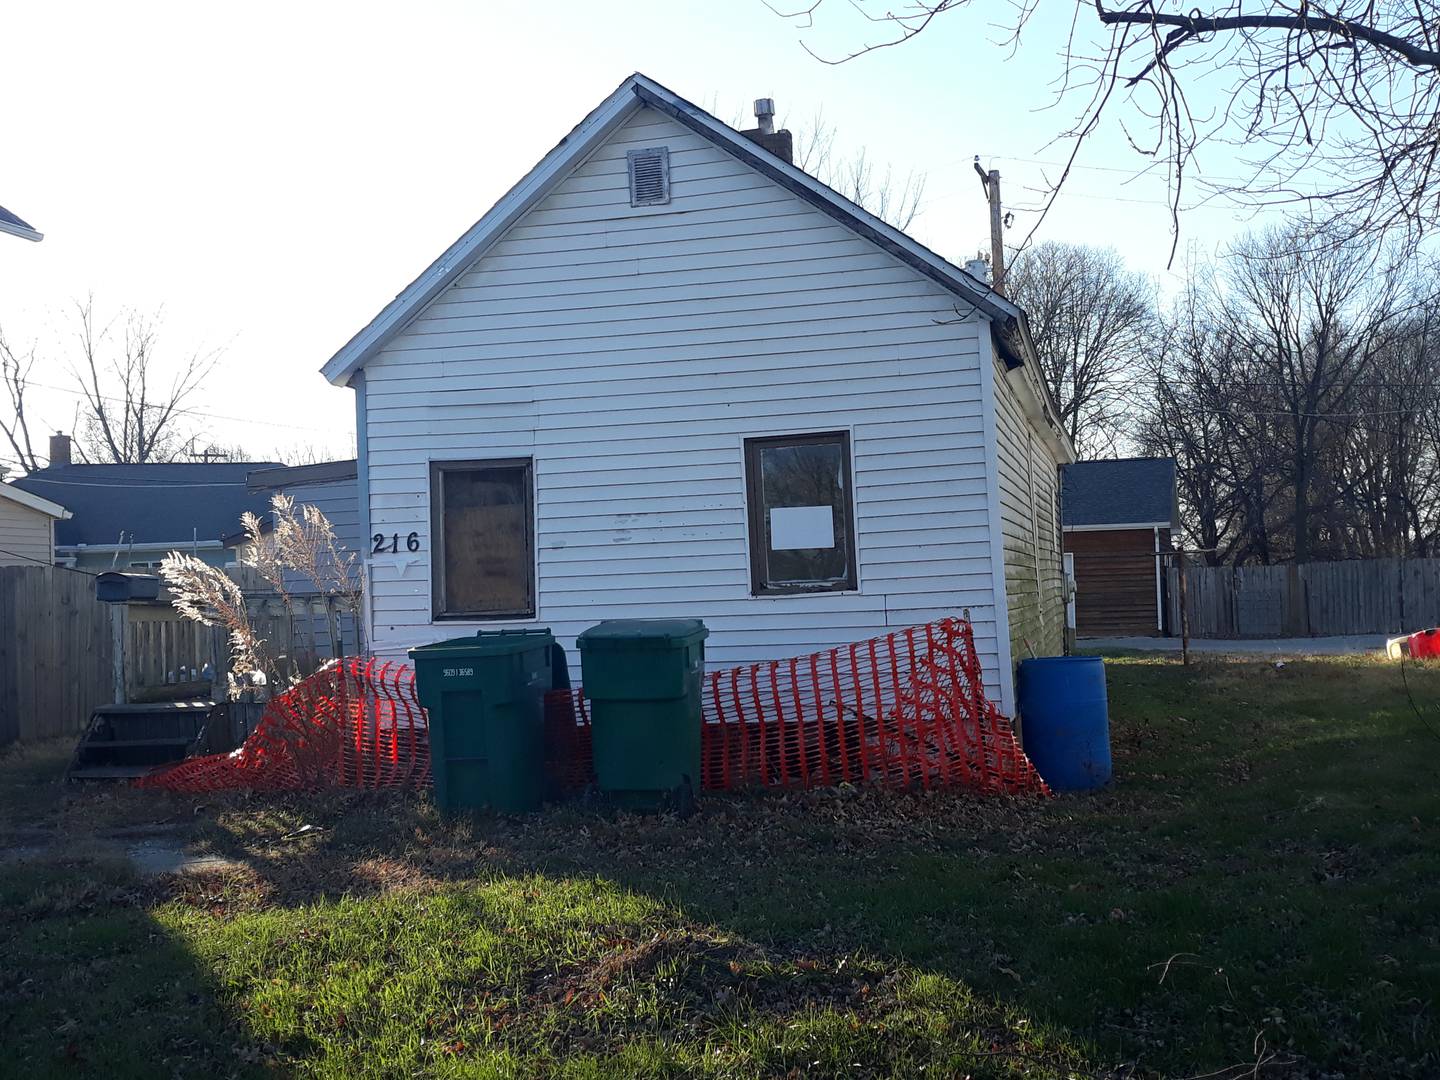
point(484, 559)
point(802, 513)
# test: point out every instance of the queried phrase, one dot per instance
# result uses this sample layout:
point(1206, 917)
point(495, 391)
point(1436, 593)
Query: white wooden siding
point(1034, 576)
point(630, 351)
point(27, 533)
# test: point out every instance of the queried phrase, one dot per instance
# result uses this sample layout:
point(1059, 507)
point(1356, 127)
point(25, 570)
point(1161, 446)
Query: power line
point(1149, 170)
point(141, 484)
point(1146, 171)
point(42, 562)
point(190, 412)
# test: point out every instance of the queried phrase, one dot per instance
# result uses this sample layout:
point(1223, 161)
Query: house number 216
point(382, 543)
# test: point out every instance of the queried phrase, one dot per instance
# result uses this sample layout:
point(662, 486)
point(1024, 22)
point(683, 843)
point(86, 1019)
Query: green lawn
point(1258, 894)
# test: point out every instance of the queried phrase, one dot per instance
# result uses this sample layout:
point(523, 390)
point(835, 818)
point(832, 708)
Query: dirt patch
point(149, 852)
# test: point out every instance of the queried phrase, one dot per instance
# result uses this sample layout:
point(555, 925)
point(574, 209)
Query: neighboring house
point(131, 516)
point(670, 374)
point(17, 226)
point(1119, 516)
point(330, 487)
point(27, 527)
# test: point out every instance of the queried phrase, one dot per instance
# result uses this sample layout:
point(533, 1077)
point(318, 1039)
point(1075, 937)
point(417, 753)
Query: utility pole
point(991, 183)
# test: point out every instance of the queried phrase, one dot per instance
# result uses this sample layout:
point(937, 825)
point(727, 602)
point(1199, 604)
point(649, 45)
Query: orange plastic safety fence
point(904, 710)
point(354, 724)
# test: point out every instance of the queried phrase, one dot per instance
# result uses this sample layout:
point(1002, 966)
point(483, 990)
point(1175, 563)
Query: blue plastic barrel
point(1065, 720)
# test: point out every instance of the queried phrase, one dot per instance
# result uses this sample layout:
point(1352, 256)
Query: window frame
point(438, 468)
point(755, 516)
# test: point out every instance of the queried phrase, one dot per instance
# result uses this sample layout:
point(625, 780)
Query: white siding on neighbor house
point(339, 501)
point(1034, 576)
point(630, 351)
point(28, 533)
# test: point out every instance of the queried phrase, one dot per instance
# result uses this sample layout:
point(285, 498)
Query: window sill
point(481, 616)
point(792, 594)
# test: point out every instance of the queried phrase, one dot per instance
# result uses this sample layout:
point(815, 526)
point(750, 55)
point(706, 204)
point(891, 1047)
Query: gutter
point(21, 231)
point(110, 549)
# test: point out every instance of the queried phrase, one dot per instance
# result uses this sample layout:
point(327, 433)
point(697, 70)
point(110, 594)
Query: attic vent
point(649, 176)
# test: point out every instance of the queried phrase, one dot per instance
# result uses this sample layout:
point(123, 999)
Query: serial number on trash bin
point(455, 672)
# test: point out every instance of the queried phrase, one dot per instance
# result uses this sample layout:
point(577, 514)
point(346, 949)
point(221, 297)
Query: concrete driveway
point(1316, 646)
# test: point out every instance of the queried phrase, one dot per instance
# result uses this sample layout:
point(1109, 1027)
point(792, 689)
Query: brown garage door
point(1114, 582)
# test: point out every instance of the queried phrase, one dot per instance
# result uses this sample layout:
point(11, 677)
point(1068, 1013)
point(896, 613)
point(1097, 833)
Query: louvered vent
point(649, 176)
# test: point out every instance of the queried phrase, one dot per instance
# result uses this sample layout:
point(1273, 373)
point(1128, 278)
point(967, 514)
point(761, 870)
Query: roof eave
point(461, 255)
point(34, 502)
point(1118, 526)
point(22, 231)
point(322, 472)
point(826, 199)
point(140, 545)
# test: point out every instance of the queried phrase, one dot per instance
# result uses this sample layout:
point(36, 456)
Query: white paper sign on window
point(793, 528)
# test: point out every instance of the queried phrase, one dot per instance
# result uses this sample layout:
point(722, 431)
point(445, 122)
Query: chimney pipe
point(765, 115)
point(59, 450)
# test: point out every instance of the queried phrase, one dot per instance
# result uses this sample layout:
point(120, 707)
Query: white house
point(671, 374)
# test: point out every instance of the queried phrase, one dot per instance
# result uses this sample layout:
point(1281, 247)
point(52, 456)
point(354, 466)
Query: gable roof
point(636, 92)
point(1125, 491)
point(18, 226)
point(171, 503)
point(33, 502)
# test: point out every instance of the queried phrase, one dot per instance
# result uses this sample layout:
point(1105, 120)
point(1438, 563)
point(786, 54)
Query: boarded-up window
point(802, 513)
point(484, 564)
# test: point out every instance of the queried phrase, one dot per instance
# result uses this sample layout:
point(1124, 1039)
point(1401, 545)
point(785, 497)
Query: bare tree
point(134, 411)
point(1382, 461)
point(1311, 321)
point(15, 375)
point(301, 452)
point(1299, 391)
point(1334, 105)
point(893, 199)
point(1093, 323)
point(1187, 418)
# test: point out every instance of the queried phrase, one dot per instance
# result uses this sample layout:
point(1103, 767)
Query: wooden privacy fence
point(1360, 596)
point(58, 646)
point(55, 652)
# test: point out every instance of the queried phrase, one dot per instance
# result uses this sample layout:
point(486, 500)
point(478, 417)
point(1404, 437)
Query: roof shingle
point(1124, 491)
point(170, 503)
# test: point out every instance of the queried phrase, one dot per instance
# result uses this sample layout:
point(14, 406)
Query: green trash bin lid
point(488, 643)
point(631, 634)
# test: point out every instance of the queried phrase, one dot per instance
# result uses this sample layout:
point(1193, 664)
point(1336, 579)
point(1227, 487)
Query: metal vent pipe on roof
point(765, 115)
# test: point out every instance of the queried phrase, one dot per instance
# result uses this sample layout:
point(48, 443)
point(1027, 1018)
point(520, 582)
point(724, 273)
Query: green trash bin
point(485, 696)
point(642, 678)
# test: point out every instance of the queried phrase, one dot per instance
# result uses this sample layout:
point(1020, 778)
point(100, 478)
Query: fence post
point(1184, 609)
point(1400, 592)
point(117, 652)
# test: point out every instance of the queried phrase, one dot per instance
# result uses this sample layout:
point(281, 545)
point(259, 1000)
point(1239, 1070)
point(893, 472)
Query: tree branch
point(1188, 26)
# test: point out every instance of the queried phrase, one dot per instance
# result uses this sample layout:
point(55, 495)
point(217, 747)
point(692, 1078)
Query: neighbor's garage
point(1118, 515)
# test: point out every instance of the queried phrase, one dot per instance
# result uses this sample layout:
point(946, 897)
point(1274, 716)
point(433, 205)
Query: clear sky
point(271, 174)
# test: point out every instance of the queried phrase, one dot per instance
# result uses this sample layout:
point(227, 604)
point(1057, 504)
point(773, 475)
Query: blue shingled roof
point(169, 503)
point(1120, 492)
